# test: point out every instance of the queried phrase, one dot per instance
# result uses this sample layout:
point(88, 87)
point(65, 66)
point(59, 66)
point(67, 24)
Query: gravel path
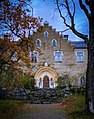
point(42, 111)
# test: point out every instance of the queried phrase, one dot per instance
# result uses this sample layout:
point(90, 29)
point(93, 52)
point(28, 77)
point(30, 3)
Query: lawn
point(74, 107)
point(8, 108)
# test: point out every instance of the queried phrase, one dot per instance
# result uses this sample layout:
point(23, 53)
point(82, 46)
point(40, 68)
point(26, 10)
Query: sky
point(46, 9)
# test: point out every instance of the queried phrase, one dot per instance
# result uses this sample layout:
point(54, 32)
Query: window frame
point(46, 34)
point(78, 57)
point(82, 81)
point(32, 58)
point(57, 59)
point(36, 43)
point(54, 40)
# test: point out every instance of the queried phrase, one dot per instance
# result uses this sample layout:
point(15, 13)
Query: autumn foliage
point(16, 27)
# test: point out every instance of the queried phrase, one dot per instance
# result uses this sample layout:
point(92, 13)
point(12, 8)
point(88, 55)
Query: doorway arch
point(46, 73)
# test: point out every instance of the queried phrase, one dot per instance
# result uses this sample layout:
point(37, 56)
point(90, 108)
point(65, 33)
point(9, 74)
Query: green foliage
point(63, 80)
point(78, 90)
point(26, 81)
point(7, 80)
point(74, 106)
point(8, 108)
point(30, 83)
point(59, 81)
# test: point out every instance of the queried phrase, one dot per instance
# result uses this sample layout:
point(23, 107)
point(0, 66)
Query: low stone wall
point(42, 96)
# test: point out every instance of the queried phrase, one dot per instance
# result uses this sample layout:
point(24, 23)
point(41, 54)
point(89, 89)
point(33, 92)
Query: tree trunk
point(90, 79)
point(90, 65)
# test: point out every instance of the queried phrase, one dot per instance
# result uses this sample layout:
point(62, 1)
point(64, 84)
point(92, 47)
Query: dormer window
point(46, 34)
point(54, 43)
point(38, 43)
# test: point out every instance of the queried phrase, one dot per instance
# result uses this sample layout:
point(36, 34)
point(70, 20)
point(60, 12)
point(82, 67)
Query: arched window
point(38, 43)
point(82, 81)
point(54, 43)
point(46, 34)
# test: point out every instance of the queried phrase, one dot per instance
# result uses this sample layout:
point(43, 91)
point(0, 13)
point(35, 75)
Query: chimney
point(66, 37)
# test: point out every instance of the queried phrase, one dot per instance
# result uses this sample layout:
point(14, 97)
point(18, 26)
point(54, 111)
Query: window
point(52, 83)
point(14, 58)
point(40, 82)
point(34, 57)
point(80, 56)
point(82, 81)
point(45, 34)
point(38, 43)
point(58, 56)
point(54, 42)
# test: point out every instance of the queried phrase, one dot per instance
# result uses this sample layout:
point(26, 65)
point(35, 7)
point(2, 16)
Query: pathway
point(42, 111)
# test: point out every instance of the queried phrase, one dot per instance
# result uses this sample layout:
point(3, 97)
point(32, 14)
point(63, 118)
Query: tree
point(16, 22)
point(88, 7)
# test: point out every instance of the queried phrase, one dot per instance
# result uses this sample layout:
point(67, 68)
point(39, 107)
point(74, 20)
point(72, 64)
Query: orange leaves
point(16, 20)
point(40, 28)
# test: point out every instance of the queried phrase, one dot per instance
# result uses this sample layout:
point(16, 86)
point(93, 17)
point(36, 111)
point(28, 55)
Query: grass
point(74, 107)
point(8, 108)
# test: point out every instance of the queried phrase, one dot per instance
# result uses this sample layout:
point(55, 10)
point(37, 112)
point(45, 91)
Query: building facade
point(54, 56)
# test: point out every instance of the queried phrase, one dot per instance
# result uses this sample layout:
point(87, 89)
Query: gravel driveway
point(42, 111)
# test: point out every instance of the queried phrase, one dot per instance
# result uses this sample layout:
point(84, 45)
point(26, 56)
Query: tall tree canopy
point(16, 22)
point(87, 6)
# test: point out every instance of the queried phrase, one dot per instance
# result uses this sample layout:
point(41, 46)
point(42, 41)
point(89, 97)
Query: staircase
point(46, 96)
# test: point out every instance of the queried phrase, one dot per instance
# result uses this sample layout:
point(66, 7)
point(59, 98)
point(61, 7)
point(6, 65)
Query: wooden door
point(45, 82)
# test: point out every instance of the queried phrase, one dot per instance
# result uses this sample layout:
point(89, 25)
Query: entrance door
point(45, 82)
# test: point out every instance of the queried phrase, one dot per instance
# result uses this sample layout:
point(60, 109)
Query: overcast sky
point(46, 10)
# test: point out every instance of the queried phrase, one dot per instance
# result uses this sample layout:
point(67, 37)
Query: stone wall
point(69, 65)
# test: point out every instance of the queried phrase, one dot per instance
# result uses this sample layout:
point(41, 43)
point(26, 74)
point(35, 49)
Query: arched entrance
point(45, 82)
point(46, 77)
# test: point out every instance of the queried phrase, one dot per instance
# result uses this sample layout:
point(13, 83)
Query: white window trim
point(61, 54)
point(76, 56)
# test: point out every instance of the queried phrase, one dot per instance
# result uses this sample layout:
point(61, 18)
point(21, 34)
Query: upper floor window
point(58, 56)
point(80, 56)
point(54, 42)
point(14, 57)
point(38, 43)
point(34, 56)
point(46, 34)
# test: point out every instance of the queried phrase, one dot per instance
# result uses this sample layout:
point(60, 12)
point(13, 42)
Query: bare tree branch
point(64, 20)
point(72, 25)
point(83, 7)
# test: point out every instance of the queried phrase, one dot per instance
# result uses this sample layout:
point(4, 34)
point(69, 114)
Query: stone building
point(57, 57)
